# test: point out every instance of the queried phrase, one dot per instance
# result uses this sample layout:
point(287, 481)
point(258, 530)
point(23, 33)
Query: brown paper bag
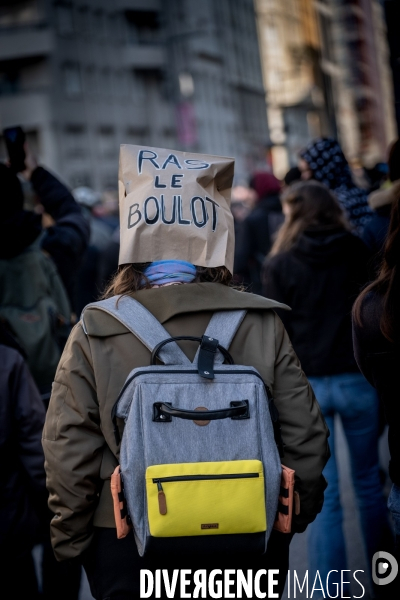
point(175, 205)
point(120, 511)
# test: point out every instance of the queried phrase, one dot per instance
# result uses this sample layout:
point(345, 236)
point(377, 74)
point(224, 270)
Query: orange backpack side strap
point(122, 520)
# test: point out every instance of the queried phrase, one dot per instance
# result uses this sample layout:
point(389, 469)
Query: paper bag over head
point(175, 206)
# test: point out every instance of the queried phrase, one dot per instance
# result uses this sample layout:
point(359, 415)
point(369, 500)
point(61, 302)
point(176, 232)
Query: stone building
point(326, 72)
point(299, 98)
point(83, 76)
point(355, 57)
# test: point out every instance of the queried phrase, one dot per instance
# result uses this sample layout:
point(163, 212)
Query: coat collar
point(167, 302)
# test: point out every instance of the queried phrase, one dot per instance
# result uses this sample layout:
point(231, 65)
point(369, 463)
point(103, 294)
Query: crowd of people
point(316, 242)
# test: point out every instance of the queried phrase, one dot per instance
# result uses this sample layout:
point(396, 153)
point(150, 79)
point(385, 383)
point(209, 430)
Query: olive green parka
point(78, 439)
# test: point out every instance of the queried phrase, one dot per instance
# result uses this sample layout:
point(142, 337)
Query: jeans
point(351, 397)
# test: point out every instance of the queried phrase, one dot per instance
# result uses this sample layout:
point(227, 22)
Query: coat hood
point(165, 303)
point(324, 245)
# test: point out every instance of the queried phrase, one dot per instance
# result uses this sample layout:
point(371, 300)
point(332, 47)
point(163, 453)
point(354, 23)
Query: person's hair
point(387, 283)
point(130, 278)
point(294, 174)
point(311, 205)
point(394, 161)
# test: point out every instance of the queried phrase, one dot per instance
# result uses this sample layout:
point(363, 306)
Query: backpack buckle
point(205, 363)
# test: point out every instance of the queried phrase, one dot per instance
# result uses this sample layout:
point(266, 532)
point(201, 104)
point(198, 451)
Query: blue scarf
point(170, 271)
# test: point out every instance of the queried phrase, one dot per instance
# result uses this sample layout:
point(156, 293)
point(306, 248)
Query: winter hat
point(265, 184)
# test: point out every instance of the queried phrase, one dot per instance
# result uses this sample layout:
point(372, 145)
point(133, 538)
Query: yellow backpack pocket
point(208, 498)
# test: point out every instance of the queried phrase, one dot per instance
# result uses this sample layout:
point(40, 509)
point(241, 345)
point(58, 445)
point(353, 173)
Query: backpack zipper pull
point(162, 501)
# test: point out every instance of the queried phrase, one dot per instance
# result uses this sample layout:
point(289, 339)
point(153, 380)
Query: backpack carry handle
point(164, 411)
point(208, 349)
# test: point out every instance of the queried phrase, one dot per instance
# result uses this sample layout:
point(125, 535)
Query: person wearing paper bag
point(176, 258)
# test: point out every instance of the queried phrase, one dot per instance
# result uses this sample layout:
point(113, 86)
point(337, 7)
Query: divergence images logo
point(384, 568)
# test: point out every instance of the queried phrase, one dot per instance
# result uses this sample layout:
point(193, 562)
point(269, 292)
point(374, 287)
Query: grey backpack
point(199, 462)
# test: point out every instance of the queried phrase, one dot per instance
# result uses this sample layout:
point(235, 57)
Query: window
point(74, 141)
point(105, 82)
point(137, 135)
point(9, 82)
point(64, 19)
point(98, 24)
point(107, 146)
point(143, 27)
point(91, 84)
point(138, 88)
point(72, 80)
point(83, 20)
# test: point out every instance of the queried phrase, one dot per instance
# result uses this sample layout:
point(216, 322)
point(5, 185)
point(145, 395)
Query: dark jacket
point(254, 240)
point(319, 278)
point(78, 439)
point(375, 231)
point(65, 241)
point(23, 495)
point(379, 361)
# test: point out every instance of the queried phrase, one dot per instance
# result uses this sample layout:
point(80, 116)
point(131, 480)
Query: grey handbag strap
point(223, 326)
point(142, 324)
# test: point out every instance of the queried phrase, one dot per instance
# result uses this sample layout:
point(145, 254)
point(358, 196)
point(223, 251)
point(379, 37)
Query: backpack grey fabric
point(147, 441)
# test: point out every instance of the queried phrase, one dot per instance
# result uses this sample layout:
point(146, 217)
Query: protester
point(80, 447)
point(324, 161)
point(89, 278)
point(24, 516)
point(37, 268)
point(257, 231)
point(381, 201)
point(65, 234)
point(317, 267)
point(33, 300)
point(376, 337)
point(294, 174)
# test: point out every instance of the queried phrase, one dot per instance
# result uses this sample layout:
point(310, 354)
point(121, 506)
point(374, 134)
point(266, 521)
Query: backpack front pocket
point(207, 498)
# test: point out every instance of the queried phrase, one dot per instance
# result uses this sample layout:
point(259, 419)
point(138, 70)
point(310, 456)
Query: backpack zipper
point(162, 500)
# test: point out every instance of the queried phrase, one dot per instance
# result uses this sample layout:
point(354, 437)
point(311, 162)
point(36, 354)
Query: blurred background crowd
point(304, 94)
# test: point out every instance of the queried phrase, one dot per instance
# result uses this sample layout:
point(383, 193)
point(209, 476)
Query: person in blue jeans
point(318, 266)
point(351, 397)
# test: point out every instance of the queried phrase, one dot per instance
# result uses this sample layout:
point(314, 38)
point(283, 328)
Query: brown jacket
point(78, 438)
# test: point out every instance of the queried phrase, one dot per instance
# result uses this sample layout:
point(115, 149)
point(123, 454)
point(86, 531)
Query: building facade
point(298, 95)
point(84, 76)
point(326, 71)
point(355, 58)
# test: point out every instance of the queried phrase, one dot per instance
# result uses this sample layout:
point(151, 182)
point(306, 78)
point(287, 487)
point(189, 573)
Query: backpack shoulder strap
point(223, 326)
point(142, 324)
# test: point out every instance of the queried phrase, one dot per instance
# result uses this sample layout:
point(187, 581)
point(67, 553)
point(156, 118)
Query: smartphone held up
point(15, 139)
